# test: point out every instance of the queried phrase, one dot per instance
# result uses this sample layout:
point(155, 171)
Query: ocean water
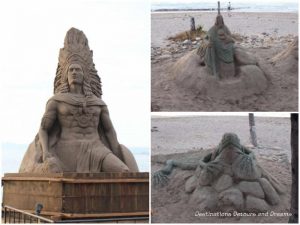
point(12, 155)
point(238, 6)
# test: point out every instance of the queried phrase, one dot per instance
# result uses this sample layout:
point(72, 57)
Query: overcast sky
point(222, 2)
point(32, 32)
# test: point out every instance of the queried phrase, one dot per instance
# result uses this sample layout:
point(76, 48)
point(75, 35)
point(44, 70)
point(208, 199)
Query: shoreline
point(158, 11)
point(199, 9)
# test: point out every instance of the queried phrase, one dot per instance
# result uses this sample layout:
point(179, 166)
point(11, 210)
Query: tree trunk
point(294, 164)
point(252, 130)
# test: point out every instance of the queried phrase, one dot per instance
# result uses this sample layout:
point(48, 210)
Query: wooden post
point(252, 129)
point(294, 147)
point(193, 27)
point(219, 9)
point(5, 214)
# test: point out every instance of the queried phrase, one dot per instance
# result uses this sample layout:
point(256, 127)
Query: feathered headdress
point(76, 50)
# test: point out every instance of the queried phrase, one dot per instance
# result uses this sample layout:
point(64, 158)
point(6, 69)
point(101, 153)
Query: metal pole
point(9, 215)
point(219, 9)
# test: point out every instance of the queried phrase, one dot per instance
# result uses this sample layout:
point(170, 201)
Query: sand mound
point(288, 58)
point(249, 78)
point(173, 203)
point(227, 179)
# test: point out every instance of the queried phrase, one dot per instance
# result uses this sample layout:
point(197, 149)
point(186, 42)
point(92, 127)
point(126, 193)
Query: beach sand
point(168, 24)
point(263, 35)
point(181, 134)
point(180, 137)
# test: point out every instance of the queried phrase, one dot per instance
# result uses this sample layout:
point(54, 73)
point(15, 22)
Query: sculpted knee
point(124, 169)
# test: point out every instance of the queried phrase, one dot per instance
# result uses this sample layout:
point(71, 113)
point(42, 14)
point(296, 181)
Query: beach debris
point(262, 41)
point(186, 42)
point(154, 129)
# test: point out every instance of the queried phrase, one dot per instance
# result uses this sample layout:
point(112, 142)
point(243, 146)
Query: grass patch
point(189, 35)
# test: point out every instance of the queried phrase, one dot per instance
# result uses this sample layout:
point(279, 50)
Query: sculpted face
point(75, 74)
point(219, 21)
point(230, 139)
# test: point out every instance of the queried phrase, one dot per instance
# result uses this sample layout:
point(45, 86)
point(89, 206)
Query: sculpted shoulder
point(51, 105)
point(76, 100)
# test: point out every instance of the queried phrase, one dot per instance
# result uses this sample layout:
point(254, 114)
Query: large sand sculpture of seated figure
point(227, 179)
point(76, 133)
point(217, 50)
point(219, 68)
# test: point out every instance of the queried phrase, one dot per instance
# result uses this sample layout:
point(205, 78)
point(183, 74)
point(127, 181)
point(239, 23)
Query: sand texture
point(269, 37)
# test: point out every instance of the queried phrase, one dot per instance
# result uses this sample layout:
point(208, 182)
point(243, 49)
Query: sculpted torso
point(78, 120)
point(78, 123)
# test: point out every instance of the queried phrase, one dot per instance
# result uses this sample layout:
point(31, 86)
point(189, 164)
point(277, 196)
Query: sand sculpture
point(217, 50)
point(220, 68)
point(227, 179)
point(76, 133)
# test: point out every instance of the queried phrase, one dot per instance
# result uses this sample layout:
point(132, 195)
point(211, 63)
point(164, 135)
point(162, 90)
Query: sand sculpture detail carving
point(217, 50)
point(227, 179)
point(219, 68)
point(76, 133)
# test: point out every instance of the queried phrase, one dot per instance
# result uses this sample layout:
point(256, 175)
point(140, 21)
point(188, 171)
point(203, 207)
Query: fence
point(13, 215)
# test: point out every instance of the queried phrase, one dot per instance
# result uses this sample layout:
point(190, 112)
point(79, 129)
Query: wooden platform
point(79, 195)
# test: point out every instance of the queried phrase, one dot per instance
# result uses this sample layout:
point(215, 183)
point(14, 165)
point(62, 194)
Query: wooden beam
point(90, 215)
point(78, 181)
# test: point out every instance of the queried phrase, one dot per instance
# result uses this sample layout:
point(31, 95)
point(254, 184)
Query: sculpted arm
point(160, 178)
point(46, 124)
point(110, 133)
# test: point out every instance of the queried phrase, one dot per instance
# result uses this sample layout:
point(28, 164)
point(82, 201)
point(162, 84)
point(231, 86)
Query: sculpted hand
point(160, 179)
point(46, 155)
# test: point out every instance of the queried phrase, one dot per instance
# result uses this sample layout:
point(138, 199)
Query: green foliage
point(199, 29)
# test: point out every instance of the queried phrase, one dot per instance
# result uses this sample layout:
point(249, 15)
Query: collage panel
point(224, 56)
point(75, 118)
point(231, 57)
point(149, 111)
point(224, 168)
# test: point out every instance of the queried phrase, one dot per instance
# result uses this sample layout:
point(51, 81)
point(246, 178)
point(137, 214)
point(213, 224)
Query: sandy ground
point(164, 25)
point(206, 132)
point(280, 29)
point(176, 138)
